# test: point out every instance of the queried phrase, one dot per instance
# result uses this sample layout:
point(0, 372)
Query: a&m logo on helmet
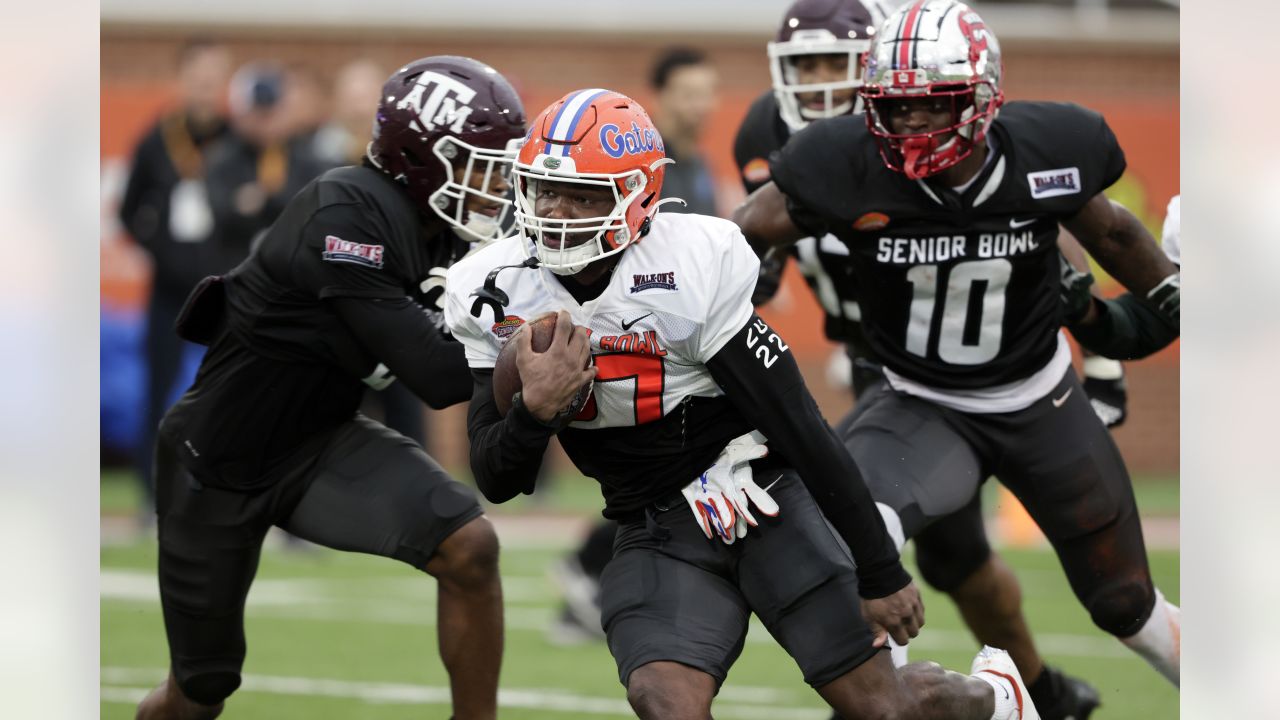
point(439, 100)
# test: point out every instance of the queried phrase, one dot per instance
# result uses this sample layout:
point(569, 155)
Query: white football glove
point(721, 497)
point(433, 289)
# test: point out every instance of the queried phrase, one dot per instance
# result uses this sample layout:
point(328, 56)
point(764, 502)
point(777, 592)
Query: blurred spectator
point(355, 89)
point(305, 101)
point(165, 211)
point(263, 163)
point(686, 87)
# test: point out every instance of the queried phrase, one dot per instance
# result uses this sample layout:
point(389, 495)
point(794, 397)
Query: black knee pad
point(210, 688)
point(953, 548)
point(944, 571)
point(1122, 607)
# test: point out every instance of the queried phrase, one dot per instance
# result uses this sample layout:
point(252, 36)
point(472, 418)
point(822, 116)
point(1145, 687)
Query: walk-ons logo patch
point(507, 326)
point(1051, 183)
point(871, 221)
point(338, 250)
point(653, 281)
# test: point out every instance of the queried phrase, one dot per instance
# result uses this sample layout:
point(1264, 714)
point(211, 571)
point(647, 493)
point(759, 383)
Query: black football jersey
point(823, 261)
point(285, 369)
point(957, 290)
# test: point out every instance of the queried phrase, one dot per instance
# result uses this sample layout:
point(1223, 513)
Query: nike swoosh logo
point(627, 325)
point(1057, 402)
point(1015, 224)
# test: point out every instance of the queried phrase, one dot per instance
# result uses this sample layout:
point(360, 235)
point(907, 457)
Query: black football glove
point(1108, 393)
point(1073, 288)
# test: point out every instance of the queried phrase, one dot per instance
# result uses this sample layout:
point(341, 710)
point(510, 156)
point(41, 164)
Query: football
point(506, 376)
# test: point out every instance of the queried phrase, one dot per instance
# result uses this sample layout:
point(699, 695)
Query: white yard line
point(557, 532)
point(128, 685)
point(315, 600)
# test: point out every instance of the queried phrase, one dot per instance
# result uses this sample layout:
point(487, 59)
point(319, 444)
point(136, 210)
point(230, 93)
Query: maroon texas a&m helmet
point(445, 128)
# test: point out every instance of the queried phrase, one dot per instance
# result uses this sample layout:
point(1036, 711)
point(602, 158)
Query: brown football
point(506, 377)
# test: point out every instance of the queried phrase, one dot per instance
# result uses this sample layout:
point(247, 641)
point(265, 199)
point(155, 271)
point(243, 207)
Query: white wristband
point(1102, 368)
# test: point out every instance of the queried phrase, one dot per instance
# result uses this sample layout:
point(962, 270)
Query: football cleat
point(1070, 698)
point(997, 662)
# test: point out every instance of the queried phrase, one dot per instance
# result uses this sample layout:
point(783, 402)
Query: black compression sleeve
point(1126, 329)
point(760, 377)
point(506, 453)
point(401, 336)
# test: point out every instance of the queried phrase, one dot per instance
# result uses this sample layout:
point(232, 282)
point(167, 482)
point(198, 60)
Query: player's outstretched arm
point(1125, 328)
point(1121, 245)
point(765, 220)
point(401, 336)
point(760, 377)
point(506, 452)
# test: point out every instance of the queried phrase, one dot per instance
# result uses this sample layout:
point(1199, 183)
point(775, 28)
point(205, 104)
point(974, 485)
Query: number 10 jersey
point(959, 289)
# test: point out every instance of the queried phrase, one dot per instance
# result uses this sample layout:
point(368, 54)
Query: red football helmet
point(600, 138)
point(940, 50)
point(446, 128)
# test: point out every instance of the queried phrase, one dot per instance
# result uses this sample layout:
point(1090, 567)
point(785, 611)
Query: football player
point(1130, 327)
point(688, 383)
point(950, 218)
point(332, 301)
point(816, 62)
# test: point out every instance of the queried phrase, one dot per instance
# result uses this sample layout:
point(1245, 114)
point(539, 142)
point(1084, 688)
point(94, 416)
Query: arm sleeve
point(767, 388)
point(506, 453)
point(1126, 329)
point(401, 335)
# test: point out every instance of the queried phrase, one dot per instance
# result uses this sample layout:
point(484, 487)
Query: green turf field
point(335, 635)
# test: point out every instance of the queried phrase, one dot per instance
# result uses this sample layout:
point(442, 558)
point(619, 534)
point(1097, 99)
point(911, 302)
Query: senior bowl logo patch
point(507, 326)
point(338, 250)
point(871, 221)
point(756, 170)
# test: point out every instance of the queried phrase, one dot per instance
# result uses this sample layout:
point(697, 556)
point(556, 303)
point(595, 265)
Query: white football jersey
point(1171, 240)
point(675, 298)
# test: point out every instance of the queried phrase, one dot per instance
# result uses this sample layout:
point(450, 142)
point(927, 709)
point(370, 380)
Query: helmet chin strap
point(493, 297)
point(479, 228)
point(842, 109)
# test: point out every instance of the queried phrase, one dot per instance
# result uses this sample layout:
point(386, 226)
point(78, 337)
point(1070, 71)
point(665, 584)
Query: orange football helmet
point(596, 137)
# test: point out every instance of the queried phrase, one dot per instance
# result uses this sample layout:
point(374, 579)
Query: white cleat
point(998, 663)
